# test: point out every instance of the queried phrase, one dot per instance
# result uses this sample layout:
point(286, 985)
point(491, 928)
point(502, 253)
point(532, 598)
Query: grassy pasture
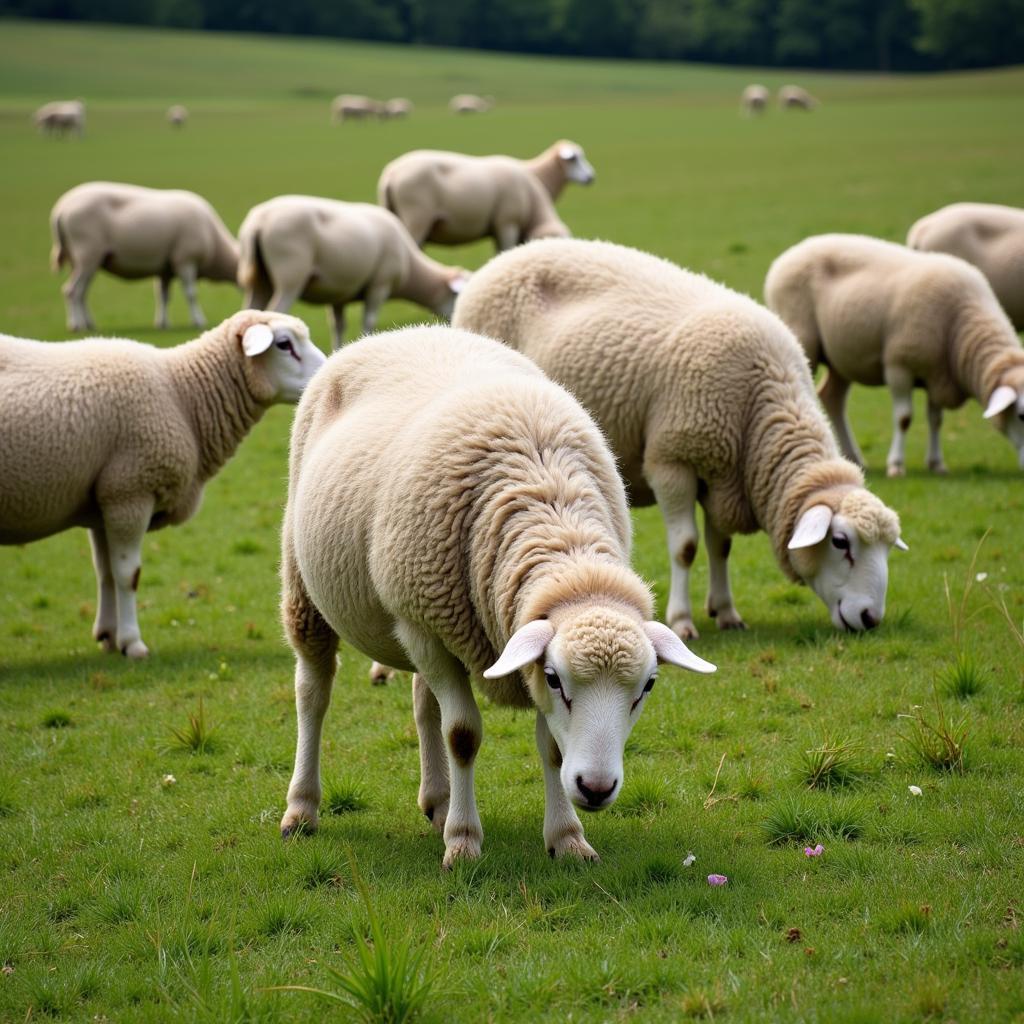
point(126, 899)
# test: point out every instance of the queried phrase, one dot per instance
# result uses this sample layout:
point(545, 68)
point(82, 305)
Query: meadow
point(142, 876)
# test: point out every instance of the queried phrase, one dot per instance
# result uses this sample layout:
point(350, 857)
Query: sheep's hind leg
point(337, 319)
point(462, 731)
point(833, 393)
point(901, 386)
point(720, 604)
point(74, 291)
point(125, 526)
point(936, 463)
point(375, 297)
point(434, 786)
point(104, 630)
point(675, 488)
point(563, 833)
point(162, 286)
point(188, 275)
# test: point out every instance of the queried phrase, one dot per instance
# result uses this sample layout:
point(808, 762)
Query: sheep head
point(1006, 409)
point(280, 358)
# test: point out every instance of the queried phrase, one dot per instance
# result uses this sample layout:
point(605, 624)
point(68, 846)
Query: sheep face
point(576, 165)
point(456, 282)
point(281, 349)
point(1006, 408)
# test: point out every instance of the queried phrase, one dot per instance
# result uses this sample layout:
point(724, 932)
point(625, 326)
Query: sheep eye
point(840, 542)
point(650, 685)
point(285, 346)
point(553, 681)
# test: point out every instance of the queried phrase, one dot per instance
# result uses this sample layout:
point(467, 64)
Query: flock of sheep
point(458, 505)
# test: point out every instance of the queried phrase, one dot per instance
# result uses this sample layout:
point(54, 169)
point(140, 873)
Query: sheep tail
point(250, 259)
point(59, 253)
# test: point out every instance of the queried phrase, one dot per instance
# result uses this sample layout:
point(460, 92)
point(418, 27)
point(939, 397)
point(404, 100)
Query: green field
point(125, 899)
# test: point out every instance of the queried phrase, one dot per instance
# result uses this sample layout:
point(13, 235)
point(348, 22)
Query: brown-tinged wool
point(861, 304)
point(107, 420)
point(440, 479)
point(675, 368)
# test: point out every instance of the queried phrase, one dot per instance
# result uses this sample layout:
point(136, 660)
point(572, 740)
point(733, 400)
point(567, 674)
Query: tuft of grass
point(57, 719)
point(321, 868)
point(121, 900)
point(197, 736)
point(800, 820)
point(964, 677)
point(906, 919)
point(701, 1004)
point(344, 796)
point(645, 795)
point(936, 742)
point(280, 916)
point(831, 764)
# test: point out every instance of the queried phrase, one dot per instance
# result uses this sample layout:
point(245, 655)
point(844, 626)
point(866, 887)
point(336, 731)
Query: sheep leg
point(337, 318)
point(936, 463)
point(125, 527)
point(162, 285)
point(376, 296)
point(74, 291)
point(720, 605)
point(434, 786)
point(381, 674)
point(188, 276)
point(675, 489)
point(506, 236)
point(833, 392)
point(283, 299)
point(563, 833)
point(901, 385)
point(104, 629)
point(462, 730)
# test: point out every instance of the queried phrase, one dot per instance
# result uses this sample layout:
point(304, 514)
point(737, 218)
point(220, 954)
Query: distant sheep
point(755, 99)
point(706, 398)
point(348, 107)
point(452, 198)
point(177, 115)
point(62, 117)
point(792, 97)
point(989, 236)
point(134, 232)
point(397, 107)
point(467, 103)
point(326, 251)
point(120, 437)
point(879, 313)
point(454, 513)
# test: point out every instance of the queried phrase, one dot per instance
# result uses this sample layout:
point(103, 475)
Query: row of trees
point(869, 34)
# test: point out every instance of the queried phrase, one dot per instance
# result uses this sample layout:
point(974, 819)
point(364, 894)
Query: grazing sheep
point(62, 117)
point(454, 513)
point(132, 232)
point(989, 236)
point(177, 115)
point(347, 107)
point(755, 99)
point(792, 97)
point(877, 313)
point(326, 251)
point(451, 198)
point(467, 103)
point(396, 108)
point(705, 397)
point(120, 437)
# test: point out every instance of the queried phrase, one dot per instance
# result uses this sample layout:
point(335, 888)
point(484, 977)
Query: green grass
point(126, 898)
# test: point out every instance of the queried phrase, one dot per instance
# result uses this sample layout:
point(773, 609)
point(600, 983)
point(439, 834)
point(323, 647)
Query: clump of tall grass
point(831, 764)
point(803, 820)
point(937, 742)
point(196, 736)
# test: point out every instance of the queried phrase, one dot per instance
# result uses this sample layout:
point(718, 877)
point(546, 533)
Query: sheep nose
point(868, 619)
point(595, 797)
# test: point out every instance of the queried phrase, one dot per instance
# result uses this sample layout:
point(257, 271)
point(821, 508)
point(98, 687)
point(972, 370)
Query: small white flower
point(688, 860)
point(981, 577)
point(890, 756)
point(915, 790)
point(168, 780)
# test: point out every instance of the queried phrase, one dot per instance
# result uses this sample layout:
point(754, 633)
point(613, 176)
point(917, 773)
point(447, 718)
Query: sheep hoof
point(106, 641)
point(380, 674)
point(135, 650)
point(573, 846)
point(937, 467)
point(730, 620)
point(436, 812)
point(895, 469)
point(295, 824)
point(684, 628)
point(463, 847)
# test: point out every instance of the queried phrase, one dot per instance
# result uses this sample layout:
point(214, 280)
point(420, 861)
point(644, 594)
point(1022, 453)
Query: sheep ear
point(900, 545)
point(669, 648)
point(567, 152)
point(811, 528)
point(1002, 398)
point(257, 339)
point(526, 644)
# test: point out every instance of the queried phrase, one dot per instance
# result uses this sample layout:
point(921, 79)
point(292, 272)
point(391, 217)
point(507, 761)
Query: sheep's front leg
point(936, 463)
point(337, 318)
point(125, 527)
point(675, 489)
point(376, 296)
point(720, 605)
point(462, 731)
point(901, 387)
point(162, 287)
point(188, 276)
point(563, 833)
point(434, 787)
point(833, 392)
point(75, 287)
point(104, 629)
point(507, 236)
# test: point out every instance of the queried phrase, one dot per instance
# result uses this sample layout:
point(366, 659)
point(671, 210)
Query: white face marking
point(1013, 420)
point(576, 166)
point(290, 359)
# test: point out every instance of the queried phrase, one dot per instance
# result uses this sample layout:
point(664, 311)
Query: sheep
point(467, 103)
point(397, 107)
point(792, 97)
point(453, 513)
point(755, 99)
point(134, 232)
point(451, 198)
point(323, 250)
point(348, 107)
point(879, 313)
point(61, 117)
point(120, 437)
point(989, 236)
point(177, 115)
point(705, 397)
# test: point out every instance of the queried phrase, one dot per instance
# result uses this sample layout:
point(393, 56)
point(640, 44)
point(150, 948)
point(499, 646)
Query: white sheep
point(120, 437)
point(132, 232)
point(879, 313)
point(62, 117)
point(398, 107)
point(987, 235)
point(177, 115)
point(755, 99)
point(454, 513)
point(792, 97)
point(467, 103)
point(327, 251)
point(452, 198)
point(349, 107)
point(705, 397)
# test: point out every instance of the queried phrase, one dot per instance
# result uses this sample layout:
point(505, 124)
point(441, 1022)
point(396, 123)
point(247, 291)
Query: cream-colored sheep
point(989, 236)
point(62, 117)
point(398, 107)
point(134, 232)
point(177, 115)
point(705, 397)
point(467, 103)
point(454, 513)
point(755, 99)
point(120, 437)
point(879, 313)
point(452, 198)
point(792, 97)
point(349, 107)
point(326, 251)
